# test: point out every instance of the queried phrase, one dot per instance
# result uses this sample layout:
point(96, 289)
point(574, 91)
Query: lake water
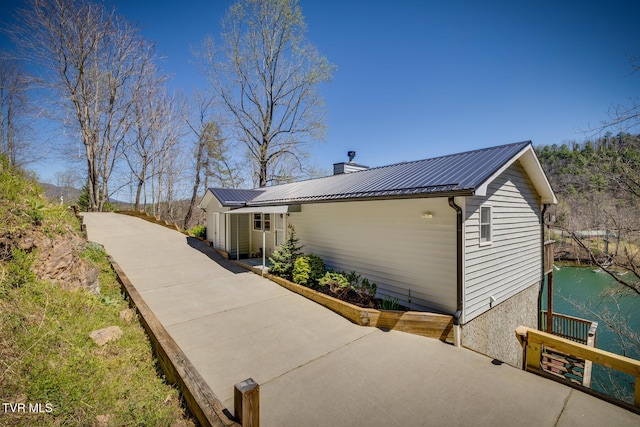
point(581, 292)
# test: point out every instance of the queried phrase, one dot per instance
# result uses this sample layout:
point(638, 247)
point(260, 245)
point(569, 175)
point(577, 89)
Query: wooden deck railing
point(534, 342)
point(565, 365)
point(572, 328)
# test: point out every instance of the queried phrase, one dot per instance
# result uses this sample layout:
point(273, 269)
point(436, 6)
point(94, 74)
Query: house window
point(485, 225)
point(258, 222)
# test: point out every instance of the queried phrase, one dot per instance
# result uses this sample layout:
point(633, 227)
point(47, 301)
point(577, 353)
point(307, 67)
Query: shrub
point(336, 282)
point(365, 289)
point(308, 269)
point(284, 258)
point(198, 231)
point(390, 303)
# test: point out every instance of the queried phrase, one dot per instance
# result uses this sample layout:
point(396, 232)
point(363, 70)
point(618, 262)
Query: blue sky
point(417, 79)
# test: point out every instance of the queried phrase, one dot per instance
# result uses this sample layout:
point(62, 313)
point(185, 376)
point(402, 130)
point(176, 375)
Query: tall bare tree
point(266, 74)
point(95, 62)
point(14, 86)
point(151, 112)
point(167, 159)
point(212, 162)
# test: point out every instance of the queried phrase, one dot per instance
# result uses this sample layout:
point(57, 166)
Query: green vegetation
point(198, 231)
point(389, 303)
point(283, 259)
point(308, 269)
point(350, 286)
point(336, 282)
point(46, 355)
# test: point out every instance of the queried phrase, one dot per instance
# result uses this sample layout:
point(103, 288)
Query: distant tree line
point(598, 186)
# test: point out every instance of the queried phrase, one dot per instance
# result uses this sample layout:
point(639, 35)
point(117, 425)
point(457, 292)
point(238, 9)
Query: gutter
point(459, 303)
point(544, 210)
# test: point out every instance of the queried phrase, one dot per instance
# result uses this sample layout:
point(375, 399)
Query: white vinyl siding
point(390, 243)
point(511, 263)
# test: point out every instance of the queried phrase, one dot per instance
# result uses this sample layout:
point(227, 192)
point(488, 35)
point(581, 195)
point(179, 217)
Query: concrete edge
point(206, 407)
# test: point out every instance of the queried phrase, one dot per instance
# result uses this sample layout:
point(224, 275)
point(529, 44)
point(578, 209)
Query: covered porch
point(255, 232)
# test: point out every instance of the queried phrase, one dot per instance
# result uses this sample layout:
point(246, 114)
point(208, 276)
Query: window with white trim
point(258, 222)
point(485, 225)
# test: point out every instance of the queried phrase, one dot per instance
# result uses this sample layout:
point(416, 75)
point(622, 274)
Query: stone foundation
point(493, 333)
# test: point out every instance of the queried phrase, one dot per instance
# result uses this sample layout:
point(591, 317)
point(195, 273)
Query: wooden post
point(550, 302)
point(534, 355)
point(246, 403)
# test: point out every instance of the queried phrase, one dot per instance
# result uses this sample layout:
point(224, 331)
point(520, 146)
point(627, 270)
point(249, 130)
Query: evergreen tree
point(83, 199)
point(284, 258)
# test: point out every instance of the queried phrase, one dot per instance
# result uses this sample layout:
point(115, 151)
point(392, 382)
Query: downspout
point(458, 314)
point(544, 210)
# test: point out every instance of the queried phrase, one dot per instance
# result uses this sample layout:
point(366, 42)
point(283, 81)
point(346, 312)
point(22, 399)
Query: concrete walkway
point(314, 367)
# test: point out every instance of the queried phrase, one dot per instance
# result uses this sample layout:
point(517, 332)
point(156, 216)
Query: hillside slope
point(55, 290)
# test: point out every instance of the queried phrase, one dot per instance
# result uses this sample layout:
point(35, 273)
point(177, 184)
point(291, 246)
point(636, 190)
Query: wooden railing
point(534, 342)
point(565, 365)
point(572, 328)
point(548, 256)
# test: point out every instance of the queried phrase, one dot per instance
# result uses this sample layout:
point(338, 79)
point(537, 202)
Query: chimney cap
point(352, 155)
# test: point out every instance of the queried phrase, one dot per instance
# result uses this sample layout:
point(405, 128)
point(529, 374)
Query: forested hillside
point(598, 187)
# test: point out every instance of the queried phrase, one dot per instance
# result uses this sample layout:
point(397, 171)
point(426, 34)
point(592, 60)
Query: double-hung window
point(485, 225)
point(261, 219)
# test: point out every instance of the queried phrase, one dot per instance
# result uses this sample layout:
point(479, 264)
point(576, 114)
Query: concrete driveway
point(314, 367)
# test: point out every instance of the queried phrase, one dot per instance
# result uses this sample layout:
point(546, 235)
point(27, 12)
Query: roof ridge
point(523, 143)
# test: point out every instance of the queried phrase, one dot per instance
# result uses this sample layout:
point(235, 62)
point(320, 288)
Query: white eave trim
point(533, 168)
point(280, 209)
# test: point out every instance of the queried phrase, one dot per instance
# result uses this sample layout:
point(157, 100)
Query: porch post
point(264, 246)
point(237, 238)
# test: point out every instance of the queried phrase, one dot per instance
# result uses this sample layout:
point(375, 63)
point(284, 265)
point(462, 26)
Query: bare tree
point(212, 162)
point(265, 74)
point(151, 113)
point(167, 156)
point(95, 62)
point(623, 117)
point(608, 309)
point(14, 86)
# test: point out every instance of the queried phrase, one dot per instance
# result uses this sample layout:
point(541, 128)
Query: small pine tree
point(83, 199)
point(284, 258)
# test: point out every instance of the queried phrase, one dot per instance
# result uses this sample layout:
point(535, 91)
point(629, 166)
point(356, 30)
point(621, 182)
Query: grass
point(48, 357)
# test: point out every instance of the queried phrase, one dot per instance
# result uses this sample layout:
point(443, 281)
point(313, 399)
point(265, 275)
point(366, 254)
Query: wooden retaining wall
point(431, 325)
point(203, 403)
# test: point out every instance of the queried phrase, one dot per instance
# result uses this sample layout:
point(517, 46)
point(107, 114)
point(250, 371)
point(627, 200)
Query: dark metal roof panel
point(459, 173)
point(235, 197)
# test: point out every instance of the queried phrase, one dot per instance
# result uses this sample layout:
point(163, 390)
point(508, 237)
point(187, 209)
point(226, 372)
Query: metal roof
point(235, 197)
point(455, 174)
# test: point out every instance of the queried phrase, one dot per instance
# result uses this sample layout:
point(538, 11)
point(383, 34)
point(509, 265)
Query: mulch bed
point(353, 298)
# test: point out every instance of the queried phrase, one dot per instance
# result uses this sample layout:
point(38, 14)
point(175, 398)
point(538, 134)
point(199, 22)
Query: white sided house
point(459, 234)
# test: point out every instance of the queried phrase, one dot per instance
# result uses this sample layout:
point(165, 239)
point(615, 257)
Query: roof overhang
point(206, 199)
point(278, 209)
point(531, 165)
